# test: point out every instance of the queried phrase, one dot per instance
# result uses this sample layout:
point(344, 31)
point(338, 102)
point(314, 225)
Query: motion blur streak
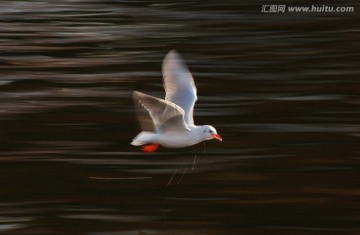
point(282, 89)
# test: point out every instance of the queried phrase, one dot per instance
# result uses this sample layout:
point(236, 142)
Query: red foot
point(149, 148)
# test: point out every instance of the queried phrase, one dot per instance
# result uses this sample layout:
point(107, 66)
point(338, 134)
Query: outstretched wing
point(144, 117)
point(162, 112)
point(179, 84)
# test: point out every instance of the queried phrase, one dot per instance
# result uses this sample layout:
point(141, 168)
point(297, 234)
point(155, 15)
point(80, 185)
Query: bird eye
point(210, 131)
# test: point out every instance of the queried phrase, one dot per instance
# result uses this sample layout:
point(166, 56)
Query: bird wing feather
point(162, 112)
point(179, 85)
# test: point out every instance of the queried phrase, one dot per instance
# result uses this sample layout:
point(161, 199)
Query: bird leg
point(150, 148)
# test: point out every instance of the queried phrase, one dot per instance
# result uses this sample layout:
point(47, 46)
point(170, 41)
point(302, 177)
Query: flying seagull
point(172, 118)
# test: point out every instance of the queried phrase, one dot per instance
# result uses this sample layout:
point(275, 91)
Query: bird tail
point(142, 138)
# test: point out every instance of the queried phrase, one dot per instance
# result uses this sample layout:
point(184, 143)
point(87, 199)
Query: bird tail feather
point(142, 138)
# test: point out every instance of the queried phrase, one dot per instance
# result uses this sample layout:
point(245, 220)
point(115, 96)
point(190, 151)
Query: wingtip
point(173, 51)
point(172, 54)
point(172, 57)
point(137, 93)
point(137, 96)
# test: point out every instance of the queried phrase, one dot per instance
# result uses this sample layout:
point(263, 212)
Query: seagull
point(171, 119)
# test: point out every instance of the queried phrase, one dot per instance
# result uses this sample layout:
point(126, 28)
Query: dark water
point(282, 89)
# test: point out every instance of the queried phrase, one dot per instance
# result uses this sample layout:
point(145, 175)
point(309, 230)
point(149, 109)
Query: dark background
point(282, 89)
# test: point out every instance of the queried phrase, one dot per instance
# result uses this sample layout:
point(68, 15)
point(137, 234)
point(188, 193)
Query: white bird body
point(170, 139)
point(172, 118)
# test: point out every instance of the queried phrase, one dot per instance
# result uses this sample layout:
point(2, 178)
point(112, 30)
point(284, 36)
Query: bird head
point(209, 133)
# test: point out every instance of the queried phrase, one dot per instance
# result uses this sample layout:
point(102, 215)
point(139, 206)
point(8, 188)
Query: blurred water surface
point(282, 89)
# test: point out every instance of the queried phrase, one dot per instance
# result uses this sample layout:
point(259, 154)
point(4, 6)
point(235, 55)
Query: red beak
point(217, 137)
